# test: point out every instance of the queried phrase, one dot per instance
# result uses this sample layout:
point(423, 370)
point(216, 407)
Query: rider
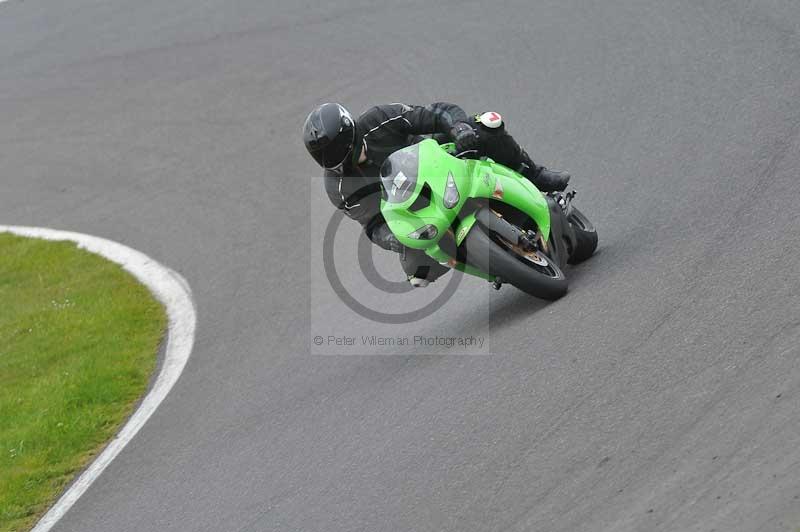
point(352, 151)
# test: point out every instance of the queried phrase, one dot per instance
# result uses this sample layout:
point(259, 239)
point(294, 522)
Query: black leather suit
point(381, 131)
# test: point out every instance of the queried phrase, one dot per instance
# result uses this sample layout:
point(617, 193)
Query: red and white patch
point(491, 119)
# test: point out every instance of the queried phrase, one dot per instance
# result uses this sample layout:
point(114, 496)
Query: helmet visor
point(336, 152)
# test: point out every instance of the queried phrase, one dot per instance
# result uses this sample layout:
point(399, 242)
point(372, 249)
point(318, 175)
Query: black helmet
point(329, 134)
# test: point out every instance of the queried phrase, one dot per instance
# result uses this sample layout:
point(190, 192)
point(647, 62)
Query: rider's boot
point(418, 282)
point(551, 180)
point(420, 268)
point(544, 179)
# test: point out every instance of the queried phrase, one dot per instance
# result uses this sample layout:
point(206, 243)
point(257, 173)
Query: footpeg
point(497, 283)
point(564, 199)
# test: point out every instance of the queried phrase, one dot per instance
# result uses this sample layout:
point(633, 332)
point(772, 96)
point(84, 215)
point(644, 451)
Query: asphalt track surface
point(663, 393)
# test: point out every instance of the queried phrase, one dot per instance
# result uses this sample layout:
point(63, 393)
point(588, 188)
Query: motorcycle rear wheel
point(585, 236)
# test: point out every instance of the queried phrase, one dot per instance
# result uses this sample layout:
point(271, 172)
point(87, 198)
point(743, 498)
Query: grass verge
point(78, 342)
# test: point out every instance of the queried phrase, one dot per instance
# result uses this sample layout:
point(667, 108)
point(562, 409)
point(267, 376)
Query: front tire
point(533, 272)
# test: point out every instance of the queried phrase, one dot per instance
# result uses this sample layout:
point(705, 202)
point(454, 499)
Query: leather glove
point(465, 137)
point(384, 237)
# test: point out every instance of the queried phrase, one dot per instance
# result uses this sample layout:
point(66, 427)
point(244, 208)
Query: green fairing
point(473, 179)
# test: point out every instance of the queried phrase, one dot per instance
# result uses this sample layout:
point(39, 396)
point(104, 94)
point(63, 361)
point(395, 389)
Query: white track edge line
point(174, 293)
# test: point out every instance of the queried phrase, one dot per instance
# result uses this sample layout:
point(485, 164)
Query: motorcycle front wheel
point(533, 272)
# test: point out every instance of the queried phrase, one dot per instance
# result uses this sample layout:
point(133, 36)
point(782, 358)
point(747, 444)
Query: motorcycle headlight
point(428, 232)
point(451, 196)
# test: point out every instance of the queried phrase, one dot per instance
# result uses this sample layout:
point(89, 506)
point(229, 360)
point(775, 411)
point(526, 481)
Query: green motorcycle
point(484, 219)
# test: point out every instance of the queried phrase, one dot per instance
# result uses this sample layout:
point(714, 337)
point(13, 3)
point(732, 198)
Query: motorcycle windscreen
point(399, 173)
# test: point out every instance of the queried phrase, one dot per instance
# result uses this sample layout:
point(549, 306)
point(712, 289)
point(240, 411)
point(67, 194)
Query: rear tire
point(585, 236)
point(533, 273)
